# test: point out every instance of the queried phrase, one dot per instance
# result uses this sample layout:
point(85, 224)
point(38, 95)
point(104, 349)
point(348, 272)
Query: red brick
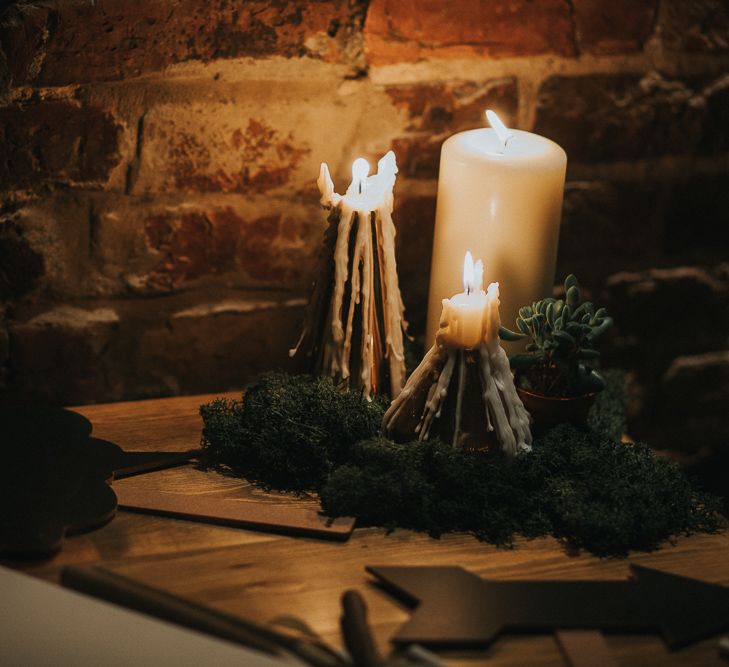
point(59, 228)
point(715, 135)
point(223, 345)
point(704, 377)
point(115, 39)
point(614, 26)
point(695, 25)
point(703, 425)
point(434, 111)
point(606, 117)
point(216, 149)
point(187, 246)
point(58, 355)
point(57, 142)
point(190, 246)
point(104, 351)
point(441, 107)
point(694, 217)
point(406, 30)
point(23, 34)
point(608, 226)
point(418, 156)
point(21, 267)
point(680, 310)
point(605, 224)
point(80, 245)
point(267, 161)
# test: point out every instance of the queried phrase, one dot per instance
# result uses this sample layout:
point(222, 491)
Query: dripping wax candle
point(483, 406)
point(355, 318)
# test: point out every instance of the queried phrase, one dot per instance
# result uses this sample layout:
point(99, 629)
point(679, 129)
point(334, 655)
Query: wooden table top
point(263, 576)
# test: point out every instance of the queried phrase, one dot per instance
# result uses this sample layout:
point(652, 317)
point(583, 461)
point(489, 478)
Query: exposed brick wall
point(159, 220)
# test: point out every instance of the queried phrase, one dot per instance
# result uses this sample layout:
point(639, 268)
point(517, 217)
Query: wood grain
point(261, 576)
point(168, 424)
point(306, 579)
point(585, 648)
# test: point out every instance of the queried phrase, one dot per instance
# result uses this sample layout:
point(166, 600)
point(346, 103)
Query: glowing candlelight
point(468, 273)
point(461, 320)
point(360, 170)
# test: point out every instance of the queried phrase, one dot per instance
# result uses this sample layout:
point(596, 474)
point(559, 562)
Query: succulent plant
point(560, 360)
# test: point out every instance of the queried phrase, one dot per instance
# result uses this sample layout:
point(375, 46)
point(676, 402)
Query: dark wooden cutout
point(458, 609)
point(54, 477)
point(54, 481)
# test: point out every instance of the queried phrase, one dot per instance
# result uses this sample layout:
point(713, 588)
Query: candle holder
point(463, 395)
point(353, 331)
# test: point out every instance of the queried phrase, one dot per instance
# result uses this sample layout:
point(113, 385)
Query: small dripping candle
point(463, 390)
point(461, 320)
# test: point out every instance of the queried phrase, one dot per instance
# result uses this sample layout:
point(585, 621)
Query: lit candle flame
point(468, 273)
point(472, 274)
point(502, 132)
point(360, 169)
point(478, 276)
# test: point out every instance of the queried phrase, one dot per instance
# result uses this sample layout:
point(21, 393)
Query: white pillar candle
point(500, 194)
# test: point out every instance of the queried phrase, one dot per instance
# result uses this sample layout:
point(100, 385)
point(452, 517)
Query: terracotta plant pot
point(549, 410)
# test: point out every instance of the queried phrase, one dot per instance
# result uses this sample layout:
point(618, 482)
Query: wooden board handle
point(267, 516)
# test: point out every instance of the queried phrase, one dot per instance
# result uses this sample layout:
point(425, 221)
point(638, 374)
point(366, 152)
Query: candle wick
point(502, 132)
point(505, 143)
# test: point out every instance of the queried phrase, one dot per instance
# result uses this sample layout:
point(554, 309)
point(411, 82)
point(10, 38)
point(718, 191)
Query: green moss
point(592, 491)
point(608, 415)
point(610, 498)
point(290, 432)
point(581, 485)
